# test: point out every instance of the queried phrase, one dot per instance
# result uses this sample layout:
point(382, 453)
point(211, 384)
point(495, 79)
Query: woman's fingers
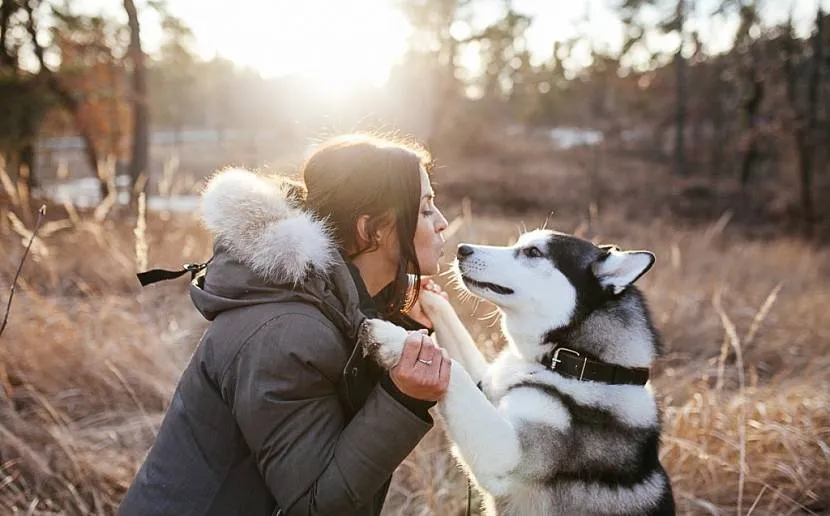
point(412, 348)
point(430, 285)
point(429, 350)
point(416, 376)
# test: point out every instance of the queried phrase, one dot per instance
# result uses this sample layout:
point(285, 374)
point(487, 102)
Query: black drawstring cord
point(156, 275)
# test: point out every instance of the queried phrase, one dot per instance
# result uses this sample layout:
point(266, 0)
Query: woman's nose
point(442, 223)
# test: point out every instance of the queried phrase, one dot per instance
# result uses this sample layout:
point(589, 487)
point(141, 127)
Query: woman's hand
point(428, 299)
point(423, 372)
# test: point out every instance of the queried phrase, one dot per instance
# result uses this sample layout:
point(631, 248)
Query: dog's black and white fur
point(537, 442)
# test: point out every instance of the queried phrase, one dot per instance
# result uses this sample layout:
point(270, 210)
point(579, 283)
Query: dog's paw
point(382, 341)
point(434, 305)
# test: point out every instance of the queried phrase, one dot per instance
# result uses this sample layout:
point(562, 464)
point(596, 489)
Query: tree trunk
point(66, 100)
point(27, 159)
point(809, 139)
point(141, 116)
point(72, 105)
point(805, 176)
point(718, 118)
point(680, 115)
point(751, 108)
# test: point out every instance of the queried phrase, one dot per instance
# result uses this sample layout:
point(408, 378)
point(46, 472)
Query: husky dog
point(562, 422)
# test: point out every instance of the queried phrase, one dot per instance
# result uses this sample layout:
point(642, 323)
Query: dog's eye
point(532, 252)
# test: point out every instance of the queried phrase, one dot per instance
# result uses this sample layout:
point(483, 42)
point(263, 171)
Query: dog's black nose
point(464, 251)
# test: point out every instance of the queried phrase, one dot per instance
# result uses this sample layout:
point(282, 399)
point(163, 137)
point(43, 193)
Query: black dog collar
point(568, 362)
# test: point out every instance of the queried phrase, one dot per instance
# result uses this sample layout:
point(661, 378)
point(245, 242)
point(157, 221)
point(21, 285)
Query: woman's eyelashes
point(428, 211)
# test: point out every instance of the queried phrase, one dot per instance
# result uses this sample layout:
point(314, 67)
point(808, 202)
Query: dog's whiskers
point(547, 221)
point(449, 273)
point(494, 316)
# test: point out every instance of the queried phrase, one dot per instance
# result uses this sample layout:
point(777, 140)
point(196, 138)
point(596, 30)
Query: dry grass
point(89, 362)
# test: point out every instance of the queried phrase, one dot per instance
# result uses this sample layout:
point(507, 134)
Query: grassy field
point(89, 360)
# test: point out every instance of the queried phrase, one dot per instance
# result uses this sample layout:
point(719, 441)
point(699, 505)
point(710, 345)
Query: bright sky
point(357, 41)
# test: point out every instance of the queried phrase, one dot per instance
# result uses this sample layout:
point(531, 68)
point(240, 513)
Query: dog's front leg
point(487, 442)
point(382, 341)
point(452, 335)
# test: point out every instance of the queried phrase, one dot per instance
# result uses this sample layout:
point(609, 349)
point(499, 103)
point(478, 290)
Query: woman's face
point(429, 234)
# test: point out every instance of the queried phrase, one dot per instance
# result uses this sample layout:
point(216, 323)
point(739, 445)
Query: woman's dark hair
point(354, 175)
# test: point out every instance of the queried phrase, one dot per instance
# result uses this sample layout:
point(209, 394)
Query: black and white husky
point(562, 422)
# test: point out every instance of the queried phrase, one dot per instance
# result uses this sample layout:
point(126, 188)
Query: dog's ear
point(617, 269)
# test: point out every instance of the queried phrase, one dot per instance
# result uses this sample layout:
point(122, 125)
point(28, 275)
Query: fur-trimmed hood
point(252, 218)
point(269, 250)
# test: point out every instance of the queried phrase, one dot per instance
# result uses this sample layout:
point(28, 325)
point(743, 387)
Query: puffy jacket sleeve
point(282, 388)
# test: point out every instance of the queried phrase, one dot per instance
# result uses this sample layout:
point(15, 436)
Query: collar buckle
point(556, 360)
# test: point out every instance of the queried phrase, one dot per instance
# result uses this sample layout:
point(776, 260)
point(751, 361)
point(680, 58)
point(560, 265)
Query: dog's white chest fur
point(507, 370)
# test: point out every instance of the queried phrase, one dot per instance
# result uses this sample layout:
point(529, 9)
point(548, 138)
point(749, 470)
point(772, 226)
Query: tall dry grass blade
point(140, 184)
point(106, 173)
point(762, 314)
point(72, 212)
point(131, 393)
point(104, 207)
point(50, 228)
point(36, 245)
point(76, 496)
point(140, 232)
point(40, 213)
point(717, 228)
point(676, 257)
point(757, 499)
point(8, 184)
point(454, 227)
point(721, 370)
point(62, 171)
point(732, 334)
point(467, 213)
point(168, 175)
point(32, 506)
point(23, 194)
point(703, 504)
point(593, 221)
point(58, 418)
point(27, 452)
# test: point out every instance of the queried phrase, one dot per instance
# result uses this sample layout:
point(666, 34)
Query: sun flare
point(334, 44)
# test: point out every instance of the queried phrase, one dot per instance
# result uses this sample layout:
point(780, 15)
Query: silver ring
point(426, 362)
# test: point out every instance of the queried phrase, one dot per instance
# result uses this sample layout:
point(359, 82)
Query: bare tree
point(680, 94)
point(63, 95)
point(141, 113)
point(805, 114)
point(748, 49)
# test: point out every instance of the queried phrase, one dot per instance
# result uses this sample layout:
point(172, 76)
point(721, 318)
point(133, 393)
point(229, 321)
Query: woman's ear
point(363, 230)
point(371, 233)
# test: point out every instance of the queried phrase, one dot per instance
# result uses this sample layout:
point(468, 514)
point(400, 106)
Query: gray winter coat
point(278, 412)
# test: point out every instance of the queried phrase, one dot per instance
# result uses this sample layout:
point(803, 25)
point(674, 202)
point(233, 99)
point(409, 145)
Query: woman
point(278, 411)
